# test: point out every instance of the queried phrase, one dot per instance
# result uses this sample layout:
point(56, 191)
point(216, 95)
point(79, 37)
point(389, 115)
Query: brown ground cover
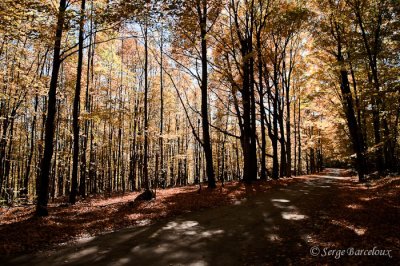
point(369, 211)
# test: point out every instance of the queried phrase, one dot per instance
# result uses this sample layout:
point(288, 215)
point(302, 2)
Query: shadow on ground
point(276, 227)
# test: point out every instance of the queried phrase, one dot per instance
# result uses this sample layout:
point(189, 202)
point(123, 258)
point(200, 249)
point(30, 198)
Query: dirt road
point(278, 227)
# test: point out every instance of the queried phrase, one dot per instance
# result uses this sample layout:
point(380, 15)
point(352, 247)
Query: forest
point(110, 96)
point(100, 98)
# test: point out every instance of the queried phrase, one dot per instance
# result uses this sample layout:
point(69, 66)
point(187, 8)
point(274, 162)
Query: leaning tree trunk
point(43, 182)
point(355, 131)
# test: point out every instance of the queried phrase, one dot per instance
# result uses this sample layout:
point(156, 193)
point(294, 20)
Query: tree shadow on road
point(261, 226)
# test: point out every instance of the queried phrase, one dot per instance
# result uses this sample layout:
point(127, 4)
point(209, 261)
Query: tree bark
point(76, 109)
point(146, 117)
point(202, 13)
point(43, 184)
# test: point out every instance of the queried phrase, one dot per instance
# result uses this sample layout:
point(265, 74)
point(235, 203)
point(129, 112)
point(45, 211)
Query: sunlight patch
point(85, 239)
point(360, 231)
point(238, 202)
point(355, 206)
point(274, 237)
point(280, 200)
point(293, 216)
point(136, 249)
point(170, 225)
point(143, 222)
point(334, 177)
point(180, 226)
point(368, 198)
point(308, 238)
point(357, 230)
point(199, 263)
point(190, 233)
point(134, 216)
point(211, 233)
point(122, 261)
point(163, 248)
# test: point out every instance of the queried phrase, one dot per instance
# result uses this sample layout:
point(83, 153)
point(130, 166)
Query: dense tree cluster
point(361, 38)
point(110, 96)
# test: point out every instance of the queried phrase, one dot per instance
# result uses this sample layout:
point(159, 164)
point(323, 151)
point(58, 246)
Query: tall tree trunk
point(282, 169)
point(133, 155)
point(32, 148)
point(33, 129)
point(288, 134)
point(85, 172)
point(263, 175)
point(202, 13)
point(372, 53)
point(76, 108)
point(43, 183)
point(253, 160)
point(246, 142)
point(355, 131)
point(161, 139)
point(275, 164)
point(244, 32)
point(299, 166)
point(146, 118)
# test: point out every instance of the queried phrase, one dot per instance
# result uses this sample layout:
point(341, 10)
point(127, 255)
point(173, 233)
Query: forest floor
point(329, 215)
